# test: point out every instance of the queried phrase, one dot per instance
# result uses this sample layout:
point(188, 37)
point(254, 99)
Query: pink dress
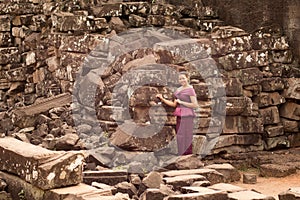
point(184, 122)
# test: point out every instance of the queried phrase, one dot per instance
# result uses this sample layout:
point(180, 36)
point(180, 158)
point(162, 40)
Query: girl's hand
point(159, 96)
point(178, 101)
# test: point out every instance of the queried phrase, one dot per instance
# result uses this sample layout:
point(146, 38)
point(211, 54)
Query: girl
point(185, 103)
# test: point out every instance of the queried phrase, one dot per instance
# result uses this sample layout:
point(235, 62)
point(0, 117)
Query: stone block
point(42, 168)
point(294, 140)
point(225, 187)
point(186, 162)
point(273, 70)
point(249, 76)
point(131, 136)
point(153, 194)
point(5, 39)
point(276, 142)
point(275, 170)
point(249, 178)
point(290, 110)
point(184, 50)
point(292, 193)
point(183, 180)
point(64, 22)
point(243, 140)
point(9, 55)
point(109, 177)
point(233, 87)
point(242, 60)
point(290, 126)
point(230, 173)
point(274, 131)
point(210, 174)
point(201, 193)
point(156, 20)
point(137, 21)
point(138, 8)
point(142, 96)
point(126, 188)
point(20, 8)
point(5, 23)
point(240, 124)
point(283, 56)
point(249, 195)
point(110, 113)
point(224, 46)
point(291, 90)
point(108, 10)
point(270, 115)
point(209, 24)
point(265, 99)
point(272, 84)
point(228, 32)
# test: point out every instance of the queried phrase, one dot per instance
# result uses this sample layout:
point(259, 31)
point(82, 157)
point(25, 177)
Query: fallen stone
point(210, 174)
point(275, 170)
point(290, 110)
point(249, 178)
point(104, 187)
point(126, 188)
point(152, 180)
point(225, 187)
point(184, 180)
point(135, 179)
point(186, 162)
point(201, 184)
point(109, 177)
point(153, 194)
point(230, 173)
point(248, 195)
point(292, 194)
point(41, 167)
point(202, 193)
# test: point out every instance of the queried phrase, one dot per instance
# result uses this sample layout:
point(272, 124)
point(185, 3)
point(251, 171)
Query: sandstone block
point(108, 10)
point(274, 170)
point(239, 124)
point(273, 131)
point(292, 194)
point(270, 115)
point(5, 22)
point(283, 56)
point(225, 187)
point(249, 178)
point(5, 39)
point(109, 177)
point(272, 84)
point(279, 141)
point(153, 194)
point(230, 173)
point(202, 193)
point(186, 162)
point(9, 55)
point(290, 126)
point(294, 140)
point(41, 167)
point(210, 174)
point(137, 21)
point(183, 180)
point(291, 90)
point(233, 87)
point(229, 45)
point(290, 110)
point(265, 99)
point(249, 195)
point(228, 31)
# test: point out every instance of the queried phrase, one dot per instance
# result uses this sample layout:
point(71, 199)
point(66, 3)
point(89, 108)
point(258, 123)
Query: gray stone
point(249, 178)
point(41, 167)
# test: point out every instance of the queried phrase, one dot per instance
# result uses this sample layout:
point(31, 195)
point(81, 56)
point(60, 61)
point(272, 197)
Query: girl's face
point(183, 80)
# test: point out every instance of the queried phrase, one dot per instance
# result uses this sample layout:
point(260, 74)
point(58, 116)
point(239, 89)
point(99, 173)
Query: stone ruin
point(62, 74)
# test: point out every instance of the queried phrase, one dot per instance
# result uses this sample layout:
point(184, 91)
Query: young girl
point(185, 103)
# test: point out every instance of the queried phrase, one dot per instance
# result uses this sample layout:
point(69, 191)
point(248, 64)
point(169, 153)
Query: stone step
point(200, 193)
point(109, 177)
point(42, 168)
point(248, 195)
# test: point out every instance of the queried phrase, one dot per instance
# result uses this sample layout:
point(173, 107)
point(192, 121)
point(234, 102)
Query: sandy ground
point(272, 186)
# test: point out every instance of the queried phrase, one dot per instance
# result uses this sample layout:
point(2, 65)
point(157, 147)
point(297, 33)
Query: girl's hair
point(184, 73)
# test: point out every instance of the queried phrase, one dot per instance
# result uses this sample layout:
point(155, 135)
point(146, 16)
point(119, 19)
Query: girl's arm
point(168, 102)
point(193, 104)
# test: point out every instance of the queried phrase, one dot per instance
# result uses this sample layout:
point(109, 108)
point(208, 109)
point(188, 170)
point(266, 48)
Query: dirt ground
point(272, 186)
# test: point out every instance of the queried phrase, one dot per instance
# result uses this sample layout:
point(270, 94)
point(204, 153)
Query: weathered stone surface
point(108, 10)
point(249, 76)
point(233, 87)
point(144, 138)
point(238, 124)
point(276, 142)
point(153, 194)
point(227, 32)
point(126, 188)
point(249, 195)
point(269, 99)
point(291, 90)
point(270, 115)
point(41, 167)
point(225, 187)
point(183, 180)
point(292, 194)
point(272, 84)
point(237, 105)
point(274, 170)
point(290, 126)
point(5, 39)
point(211, 175)
point(186, 162)
point(249, 178)
point(273, 131)
point(290, 110)
point(229, 140)
point(284, 56)
point(294, 140)
point(109, 177)
point(200, 193)
point(9, 55)
point(230, 173)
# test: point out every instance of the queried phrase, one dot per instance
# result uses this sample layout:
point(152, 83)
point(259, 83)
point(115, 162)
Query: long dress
point(184, 122)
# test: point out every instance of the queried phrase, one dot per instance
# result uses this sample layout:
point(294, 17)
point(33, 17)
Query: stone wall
point(45, 43)
point(284, 14)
